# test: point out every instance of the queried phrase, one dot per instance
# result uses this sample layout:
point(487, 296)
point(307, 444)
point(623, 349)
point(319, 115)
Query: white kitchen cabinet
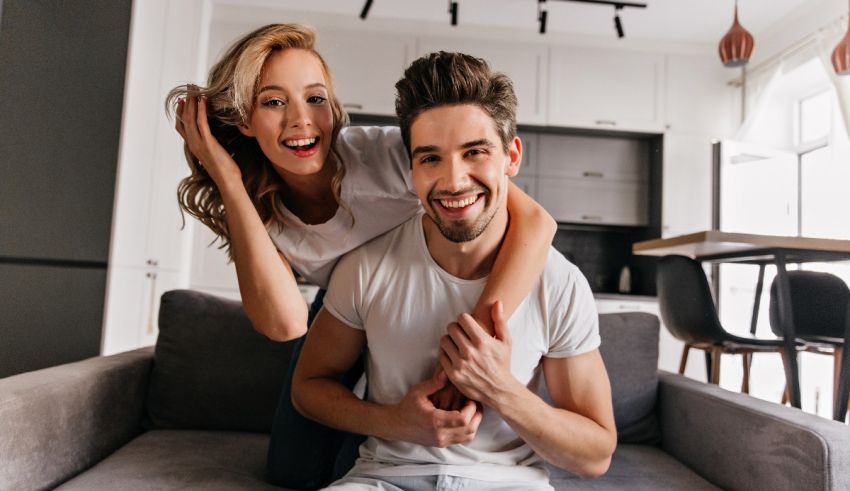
point(365, 67)
point(686, 194)
point(697, 97)
point(211, 270)
point(593, 157)
point(147, 233)
point(135, 295)
point(524, 63)
point(599, 202)
point(606, 88)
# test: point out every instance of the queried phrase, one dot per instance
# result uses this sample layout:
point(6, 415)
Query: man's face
point(460, 170)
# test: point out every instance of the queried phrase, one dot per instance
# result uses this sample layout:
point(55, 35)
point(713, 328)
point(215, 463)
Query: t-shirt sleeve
point(391, 147)
point(344, 297)
point(574, 322)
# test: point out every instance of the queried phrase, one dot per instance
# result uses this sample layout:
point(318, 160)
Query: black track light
point(617, 24)
point(541, 16)
point(365, 11)
point(617, 4)
point(453, 12)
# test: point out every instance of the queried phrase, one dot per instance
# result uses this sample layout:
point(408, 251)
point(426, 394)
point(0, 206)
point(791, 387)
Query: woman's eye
point(273, 103)
point(316, 99)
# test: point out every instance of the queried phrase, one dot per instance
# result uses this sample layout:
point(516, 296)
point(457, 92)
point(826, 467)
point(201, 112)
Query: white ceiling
point(691, 21)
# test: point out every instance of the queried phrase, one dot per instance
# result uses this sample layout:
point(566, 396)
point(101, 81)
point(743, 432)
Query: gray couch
point(195, 413)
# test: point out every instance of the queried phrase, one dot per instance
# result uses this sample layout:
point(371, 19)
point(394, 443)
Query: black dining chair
point(688, 311)
point(820, 303)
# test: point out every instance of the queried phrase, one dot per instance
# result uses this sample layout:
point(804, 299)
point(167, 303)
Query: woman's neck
point(310, 197)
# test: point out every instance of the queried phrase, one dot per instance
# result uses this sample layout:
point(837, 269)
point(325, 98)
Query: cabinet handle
point(152, 262)
point(606, 122)
point(593, 174)
point(594, 218)
point(353, 106)
point(152, 305)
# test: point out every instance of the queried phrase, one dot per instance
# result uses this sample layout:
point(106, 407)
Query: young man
point(457, 120)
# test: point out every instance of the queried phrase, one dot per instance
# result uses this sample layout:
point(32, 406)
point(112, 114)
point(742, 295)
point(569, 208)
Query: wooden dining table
point(715, 246)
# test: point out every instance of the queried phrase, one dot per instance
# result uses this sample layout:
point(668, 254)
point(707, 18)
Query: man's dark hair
point(443, 79)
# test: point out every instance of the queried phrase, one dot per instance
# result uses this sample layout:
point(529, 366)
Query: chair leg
point(791, 375)
point(842, 388)
point(784, 400)
point(745, 383)
point(716, 352)
point(684, 360)
point(836, 373)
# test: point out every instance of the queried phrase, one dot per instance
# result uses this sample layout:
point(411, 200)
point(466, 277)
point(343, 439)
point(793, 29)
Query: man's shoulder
point(563, 286)
point(558, 270)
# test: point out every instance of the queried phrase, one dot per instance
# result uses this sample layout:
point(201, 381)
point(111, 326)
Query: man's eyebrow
point(278, 87)
point(482, 142)
point(424, 149)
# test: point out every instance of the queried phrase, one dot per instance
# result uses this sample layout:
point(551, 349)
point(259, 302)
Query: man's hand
point(419, 421)
point(478, 364)
point(449, 398)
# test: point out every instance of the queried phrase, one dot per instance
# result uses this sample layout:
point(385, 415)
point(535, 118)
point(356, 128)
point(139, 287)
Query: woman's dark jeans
point(304, 454)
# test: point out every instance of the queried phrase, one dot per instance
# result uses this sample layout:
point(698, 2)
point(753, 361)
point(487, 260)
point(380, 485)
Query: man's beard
point(459, 232)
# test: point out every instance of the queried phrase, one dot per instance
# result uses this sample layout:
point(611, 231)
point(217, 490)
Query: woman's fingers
point(190, 114)
point(202, 122)
point(178, 120)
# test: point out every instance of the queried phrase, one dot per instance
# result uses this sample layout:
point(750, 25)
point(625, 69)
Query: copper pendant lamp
point(736, 47)
point(841, 53)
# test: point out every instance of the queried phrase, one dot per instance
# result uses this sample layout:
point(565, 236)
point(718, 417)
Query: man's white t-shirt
point(377, 191)
point(394, 290)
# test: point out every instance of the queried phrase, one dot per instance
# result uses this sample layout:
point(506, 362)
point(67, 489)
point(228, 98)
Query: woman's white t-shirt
point(377, 191)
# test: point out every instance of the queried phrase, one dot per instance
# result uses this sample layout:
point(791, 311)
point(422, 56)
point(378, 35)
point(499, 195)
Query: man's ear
point(246, 130)
point(514, 157)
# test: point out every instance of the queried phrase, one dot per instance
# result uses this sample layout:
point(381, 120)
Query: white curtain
point(759, 87)
point(827, 39)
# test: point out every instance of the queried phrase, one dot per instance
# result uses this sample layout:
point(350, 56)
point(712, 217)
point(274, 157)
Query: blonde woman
point(285, 184)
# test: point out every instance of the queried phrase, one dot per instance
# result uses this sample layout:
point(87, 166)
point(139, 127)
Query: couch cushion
point(211, 369)
point(636, 468)
point(182, 459)
point(630, 351)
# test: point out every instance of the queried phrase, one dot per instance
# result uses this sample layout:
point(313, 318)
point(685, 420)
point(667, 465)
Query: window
point(790, 177)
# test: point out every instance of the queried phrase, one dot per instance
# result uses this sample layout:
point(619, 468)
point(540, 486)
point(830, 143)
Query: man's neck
point(467, 260)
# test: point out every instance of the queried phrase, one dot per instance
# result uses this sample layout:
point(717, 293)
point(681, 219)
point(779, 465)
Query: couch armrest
point(57, 422)
point(739, 442)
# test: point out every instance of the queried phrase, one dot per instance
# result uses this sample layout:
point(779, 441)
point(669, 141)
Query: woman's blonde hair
point(230, 94)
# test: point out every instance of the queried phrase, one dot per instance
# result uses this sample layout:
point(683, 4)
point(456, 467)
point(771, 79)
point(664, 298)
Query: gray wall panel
point(62, 66)
point(48, 316)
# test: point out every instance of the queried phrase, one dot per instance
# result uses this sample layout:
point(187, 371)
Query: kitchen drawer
point(593, 157)
point(599, 201)
point(529, 162)
point(624, 304)
point(527, 184)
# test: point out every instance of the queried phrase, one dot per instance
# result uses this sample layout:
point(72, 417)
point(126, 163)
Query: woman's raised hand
point(191, 123)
